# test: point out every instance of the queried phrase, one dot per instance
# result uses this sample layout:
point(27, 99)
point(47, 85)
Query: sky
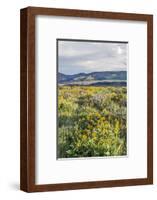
point(85, 57)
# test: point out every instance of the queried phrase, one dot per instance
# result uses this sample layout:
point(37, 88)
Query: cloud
point(77, 57)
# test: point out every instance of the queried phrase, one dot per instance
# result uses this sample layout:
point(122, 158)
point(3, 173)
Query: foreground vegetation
point(91, 121)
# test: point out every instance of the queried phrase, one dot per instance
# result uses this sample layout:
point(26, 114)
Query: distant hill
point(94, 78)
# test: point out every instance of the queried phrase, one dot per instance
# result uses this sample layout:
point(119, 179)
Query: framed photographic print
point(86, 99)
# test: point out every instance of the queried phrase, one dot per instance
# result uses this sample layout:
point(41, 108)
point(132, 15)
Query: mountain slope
point(93, 77)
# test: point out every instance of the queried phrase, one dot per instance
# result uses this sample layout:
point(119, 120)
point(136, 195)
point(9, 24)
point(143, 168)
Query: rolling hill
point(116, 78)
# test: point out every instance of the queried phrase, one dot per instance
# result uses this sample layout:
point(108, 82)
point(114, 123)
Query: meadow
point(91, 121)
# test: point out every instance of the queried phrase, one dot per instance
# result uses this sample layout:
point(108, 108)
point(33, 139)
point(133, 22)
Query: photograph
point(86, 99)
point(92, 98)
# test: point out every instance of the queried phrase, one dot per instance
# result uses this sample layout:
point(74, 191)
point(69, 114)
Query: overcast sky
point(77, 57)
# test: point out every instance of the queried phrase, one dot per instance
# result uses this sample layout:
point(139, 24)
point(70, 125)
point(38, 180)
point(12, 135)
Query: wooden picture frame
point(27, 98)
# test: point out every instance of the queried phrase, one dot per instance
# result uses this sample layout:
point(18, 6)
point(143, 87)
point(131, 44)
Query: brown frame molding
point(27, 98)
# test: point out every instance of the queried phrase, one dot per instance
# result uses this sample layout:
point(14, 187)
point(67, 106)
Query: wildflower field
point(91, 121)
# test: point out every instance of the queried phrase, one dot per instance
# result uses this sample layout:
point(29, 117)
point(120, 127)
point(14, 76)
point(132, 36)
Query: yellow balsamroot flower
point(84, 137)
point(78, 144)
point(94, 134)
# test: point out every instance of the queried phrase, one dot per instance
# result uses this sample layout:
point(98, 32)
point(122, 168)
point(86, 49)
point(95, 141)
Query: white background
point(49, 170)
point(9, 100)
